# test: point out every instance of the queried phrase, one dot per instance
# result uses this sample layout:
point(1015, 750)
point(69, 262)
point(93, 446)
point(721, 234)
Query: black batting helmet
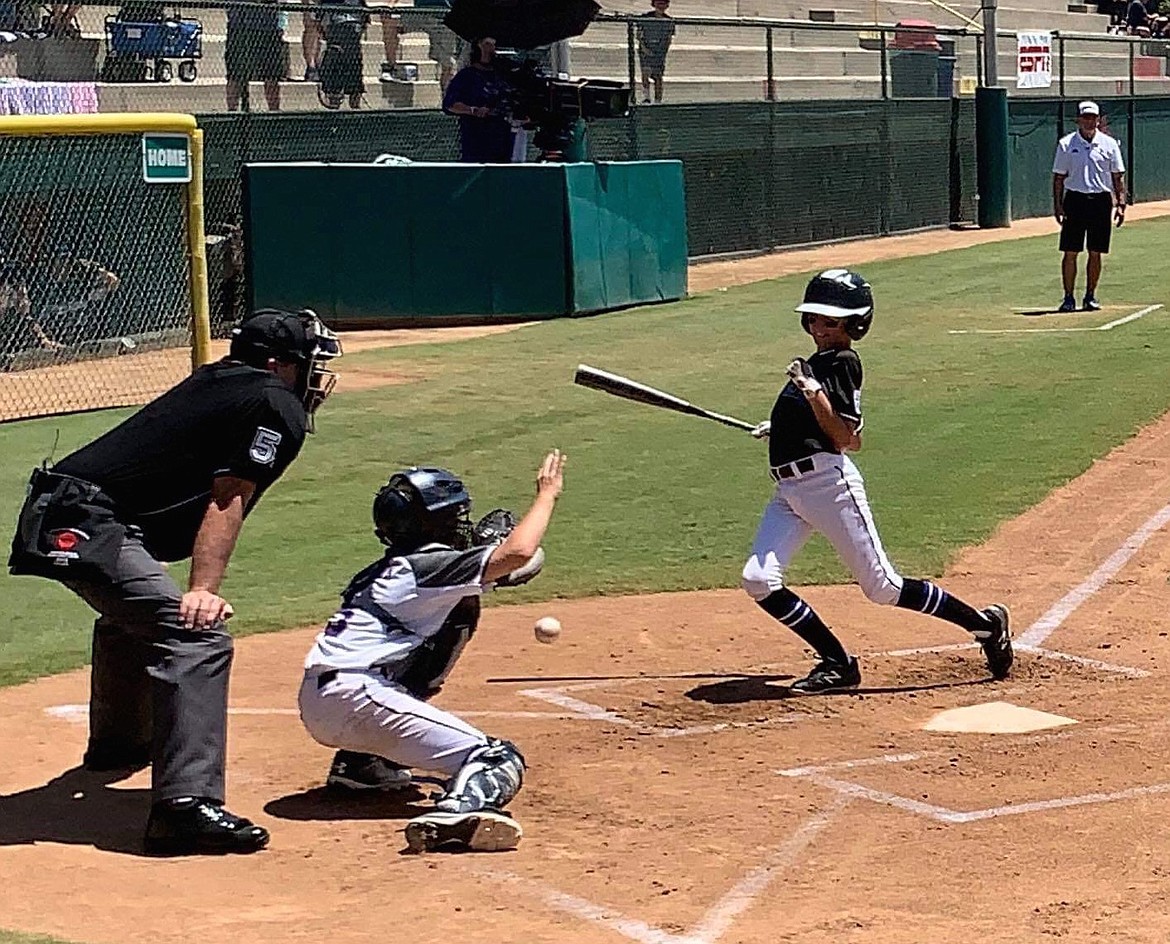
point(839, 293)
point(423, 506)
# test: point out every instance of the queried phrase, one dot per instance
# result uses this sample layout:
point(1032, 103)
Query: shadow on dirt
point(761, 688)
point(78, 807)
point(321, 803)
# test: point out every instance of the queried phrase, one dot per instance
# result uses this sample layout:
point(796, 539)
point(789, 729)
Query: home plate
point(995, 717)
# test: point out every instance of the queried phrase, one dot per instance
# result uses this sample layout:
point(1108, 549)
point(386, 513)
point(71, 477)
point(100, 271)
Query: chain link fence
point(93, 266)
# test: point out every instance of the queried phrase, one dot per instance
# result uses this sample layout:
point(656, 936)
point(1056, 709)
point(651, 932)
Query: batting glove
point(802, 376)
point(763, 430)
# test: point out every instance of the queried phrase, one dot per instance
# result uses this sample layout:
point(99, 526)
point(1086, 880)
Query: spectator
point(255, 51)
point(392, 29)
point(655, 33)
point(63, 19)
point(343, 24)
point(1137, 19)
point(311, 45)
point(479, 96)
point(445, 45)
point(20, 332)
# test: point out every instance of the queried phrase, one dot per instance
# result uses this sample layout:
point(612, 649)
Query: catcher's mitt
point(493, 527)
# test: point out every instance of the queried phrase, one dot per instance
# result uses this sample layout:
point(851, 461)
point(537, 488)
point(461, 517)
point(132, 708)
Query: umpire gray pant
point(155, 682)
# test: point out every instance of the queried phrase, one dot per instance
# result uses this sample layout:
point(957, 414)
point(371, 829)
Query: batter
point(816, 419)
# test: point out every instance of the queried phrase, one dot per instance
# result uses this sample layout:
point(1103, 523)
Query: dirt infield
point(676, 795)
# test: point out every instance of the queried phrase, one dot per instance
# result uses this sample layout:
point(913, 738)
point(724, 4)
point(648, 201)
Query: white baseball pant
point(830, 499)
point(363, 711)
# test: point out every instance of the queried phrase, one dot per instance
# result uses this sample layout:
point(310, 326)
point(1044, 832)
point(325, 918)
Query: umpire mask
point(298, 338)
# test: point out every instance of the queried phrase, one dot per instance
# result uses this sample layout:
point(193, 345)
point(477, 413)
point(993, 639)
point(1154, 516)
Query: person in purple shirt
point(478, 95)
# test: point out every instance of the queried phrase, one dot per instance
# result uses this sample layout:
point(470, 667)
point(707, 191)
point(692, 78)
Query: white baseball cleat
point(478, 831)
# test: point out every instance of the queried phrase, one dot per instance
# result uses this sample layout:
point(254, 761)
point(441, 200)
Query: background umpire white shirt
point(1090, 165)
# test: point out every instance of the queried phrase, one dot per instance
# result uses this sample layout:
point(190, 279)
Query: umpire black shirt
point(795, 431)
point(158, 466)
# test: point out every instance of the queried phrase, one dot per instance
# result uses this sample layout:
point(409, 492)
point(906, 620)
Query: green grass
point(962, 432)
point(15, 937)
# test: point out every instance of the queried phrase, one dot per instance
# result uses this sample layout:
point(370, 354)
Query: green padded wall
point(364, 242)
point(627, 227)
point(1151, 148)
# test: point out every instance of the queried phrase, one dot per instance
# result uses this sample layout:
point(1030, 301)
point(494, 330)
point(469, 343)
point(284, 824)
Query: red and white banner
point(1034, 60)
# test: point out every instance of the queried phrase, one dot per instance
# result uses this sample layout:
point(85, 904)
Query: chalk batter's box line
point(1108, 326)
point(821, 775)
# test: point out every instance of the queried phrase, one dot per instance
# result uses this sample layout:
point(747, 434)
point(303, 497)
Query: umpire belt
point(791, 470)
point(329, 675)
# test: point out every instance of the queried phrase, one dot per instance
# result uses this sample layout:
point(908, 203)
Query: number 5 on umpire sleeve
point(264, 443)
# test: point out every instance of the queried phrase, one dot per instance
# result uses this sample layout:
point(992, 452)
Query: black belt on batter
point(792, 469)
point(329, 675)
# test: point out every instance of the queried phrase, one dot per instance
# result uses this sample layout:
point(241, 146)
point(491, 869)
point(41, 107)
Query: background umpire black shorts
point(1086, 215)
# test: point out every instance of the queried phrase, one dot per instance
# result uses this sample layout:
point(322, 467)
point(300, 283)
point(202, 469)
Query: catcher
point(404, 622)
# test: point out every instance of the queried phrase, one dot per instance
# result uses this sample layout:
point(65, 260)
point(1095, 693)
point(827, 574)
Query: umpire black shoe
point(829, 677)
point(351, 770)
point(194, 826)
point(997, 642)
point(478, 831)
point(107, 756)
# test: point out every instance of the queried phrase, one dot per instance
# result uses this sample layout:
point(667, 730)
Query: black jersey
point(159, 465)
point(795, 430)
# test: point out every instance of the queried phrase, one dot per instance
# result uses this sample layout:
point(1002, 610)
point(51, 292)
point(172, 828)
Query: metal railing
point(254, 56)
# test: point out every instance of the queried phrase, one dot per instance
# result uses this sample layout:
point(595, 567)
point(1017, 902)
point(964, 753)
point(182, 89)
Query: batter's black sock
point(798, 616)
point(924, 596)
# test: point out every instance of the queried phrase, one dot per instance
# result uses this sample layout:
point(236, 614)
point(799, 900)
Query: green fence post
point(993, 172)
point(576, 151)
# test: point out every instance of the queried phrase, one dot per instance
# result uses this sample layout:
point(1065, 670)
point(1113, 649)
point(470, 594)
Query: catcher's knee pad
point(489, 778)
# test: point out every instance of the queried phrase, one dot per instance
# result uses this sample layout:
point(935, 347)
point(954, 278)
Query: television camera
point(552, 105)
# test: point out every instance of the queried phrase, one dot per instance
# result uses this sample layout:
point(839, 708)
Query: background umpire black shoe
point(191, 825)
point(105, 756)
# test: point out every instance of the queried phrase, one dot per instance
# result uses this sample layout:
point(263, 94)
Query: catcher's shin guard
point(489, 779)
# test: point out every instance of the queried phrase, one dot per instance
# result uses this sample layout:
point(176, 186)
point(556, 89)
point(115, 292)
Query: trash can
point(914, 61)
point(946, 68)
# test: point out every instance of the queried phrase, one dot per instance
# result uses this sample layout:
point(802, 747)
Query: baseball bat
point(619, 386)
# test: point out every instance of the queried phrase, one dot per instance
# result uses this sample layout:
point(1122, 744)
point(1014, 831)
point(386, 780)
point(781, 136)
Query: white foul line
point(718, 918)
point(942, 814)
point(1068, 604)
point(1105, 327)
point(79, 714)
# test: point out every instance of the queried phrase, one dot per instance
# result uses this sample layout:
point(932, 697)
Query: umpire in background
point(1088, 181)
point(175, 481)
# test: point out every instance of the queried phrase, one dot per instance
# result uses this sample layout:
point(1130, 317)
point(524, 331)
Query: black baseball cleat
point(1091, 304)
point(828, 677)
point(997, 642)
point(478, 831)
point(108, 756)
point(1069, 304)
point(355, 771)
point(194, 826)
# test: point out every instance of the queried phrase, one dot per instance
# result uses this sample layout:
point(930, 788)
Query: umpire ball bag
point(67, 530)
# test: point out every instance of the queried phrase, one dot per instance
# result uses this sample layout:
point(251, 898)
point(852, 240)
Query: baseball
point(547, 629)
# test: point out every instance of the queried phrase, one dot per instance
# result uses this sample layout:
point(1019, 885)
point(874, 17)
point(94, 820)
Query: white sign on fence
point(1034, 62)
